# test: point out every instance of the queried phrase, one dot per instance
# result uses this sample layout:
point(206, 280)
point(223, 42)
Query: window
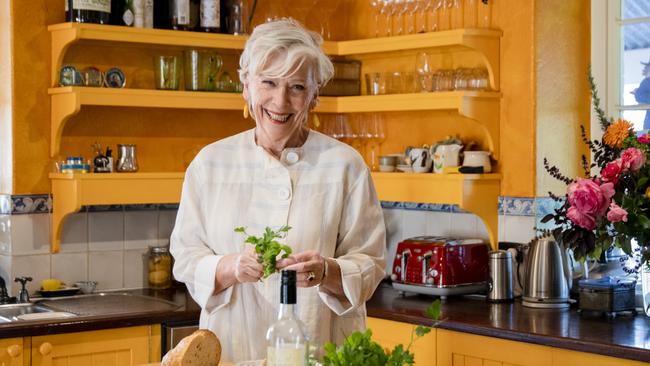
point(621, 59)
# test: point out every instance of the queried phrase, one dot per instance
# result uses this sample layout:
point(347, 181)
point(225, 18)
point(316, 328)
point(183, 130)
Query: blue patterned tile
point(545, 206)
point(101, 208)
point(141, 207)
point(30, 204)
point(518, 206)
point(457, 209)
point(168, 206)
point(389, 204)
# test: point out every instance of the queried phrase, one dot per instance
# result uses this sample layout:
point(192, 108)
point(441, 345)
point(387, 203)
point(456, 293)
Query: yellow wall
point(562, 88)
point(5, 97)
point(524, 53)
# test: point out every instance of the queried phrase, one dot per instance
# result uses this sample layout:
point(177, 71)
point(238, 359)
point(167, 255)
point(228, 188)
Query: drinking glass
point(421, 15)
point(373, 131)
point(375, 5)
point(167, 72)
point(424, 71)
point(470, 14)
point(456, 14)
point(201, 69)
point(410, 8)
point(484, 13)
point(433, 9)
point(444, 14)
point(325, 9)
point(375, 83)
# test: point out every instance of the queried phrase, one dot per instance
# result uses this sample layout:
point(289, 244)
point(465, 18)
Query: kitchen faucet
point(23, 295)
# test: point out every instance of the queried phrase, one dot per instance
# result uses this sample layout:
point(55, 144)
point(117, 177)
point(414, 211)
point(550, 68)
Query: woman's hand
point(238, 268)
point(309, 266)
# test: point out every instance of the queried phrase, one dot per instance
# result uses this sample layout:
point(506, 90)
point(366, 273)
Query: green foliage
point(267, 247)
point(360, 350)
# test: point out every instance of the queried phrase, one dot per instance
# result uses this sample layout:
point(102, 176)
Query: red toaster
point(440, 266)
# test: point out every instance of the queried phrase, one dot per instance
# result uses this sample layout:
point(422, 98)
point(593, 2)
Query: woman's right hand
point(246, 266)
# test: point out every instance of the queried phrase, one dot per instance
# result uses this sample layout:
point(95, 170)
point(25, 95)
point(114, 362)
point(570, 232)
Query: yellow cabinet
point(112, 347)
point(462, 349)
point(389, 333)
point(11, 352)
point(563, 357)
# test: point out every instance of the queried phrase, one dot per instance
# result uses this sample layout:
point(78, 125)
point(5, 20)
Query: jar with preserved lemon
point(159, 268)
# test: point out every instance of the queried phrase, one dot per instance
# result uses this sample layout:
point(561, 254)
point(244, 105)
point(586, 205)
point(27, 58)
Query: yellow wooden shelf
point(72, 191)
point(475, 193)
point(482, 107)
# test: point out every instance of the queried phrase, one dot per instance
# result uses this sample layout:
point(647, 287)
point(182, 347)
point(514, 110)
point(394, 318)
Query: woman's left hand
point(309, 266)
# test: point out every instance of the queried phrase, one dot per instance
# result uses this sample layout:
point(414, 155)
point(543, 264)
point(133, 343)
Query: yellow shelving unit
point(475, 193)
point(72, 191)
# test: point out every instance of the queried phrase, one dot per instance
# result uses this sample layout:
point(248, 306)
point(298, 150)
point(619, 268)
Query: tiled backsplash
point(106, 244)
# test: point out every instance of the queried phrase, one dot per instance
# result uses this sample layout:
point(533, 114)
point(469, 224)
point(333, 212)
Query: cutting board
point(158, 364)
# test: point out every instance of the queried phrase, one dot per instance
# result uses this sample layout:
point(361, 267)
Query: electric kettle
point(548, 276)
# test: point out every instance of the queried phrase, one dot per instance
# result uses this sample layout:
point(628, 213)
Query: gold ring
point(310, 276)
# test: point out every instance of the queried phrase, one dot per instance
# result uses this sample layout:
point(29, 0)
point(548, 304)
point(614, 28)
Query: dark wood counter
point(187, 310)
point(623, 337)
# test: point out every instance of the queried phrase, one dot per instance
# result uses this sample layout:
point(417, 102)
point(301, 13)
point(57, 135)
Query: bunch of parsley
point(267, 247)
point(360, 350)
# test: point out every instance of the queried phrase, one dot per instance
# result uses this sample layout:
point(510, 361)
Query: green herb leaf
point(267, 248)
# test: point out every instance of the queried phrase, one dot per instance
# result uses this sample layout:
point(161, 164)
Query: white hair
point(296, 44)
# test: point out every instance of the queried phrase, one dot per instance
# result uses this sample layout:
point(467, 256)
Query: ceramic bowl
point(387, 168)
point(387, 160)
point(87, 287)
point(405, 168)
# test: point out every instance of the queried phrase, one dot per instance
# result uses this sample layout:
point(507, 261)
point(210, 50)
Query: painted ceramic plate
point(64, 291)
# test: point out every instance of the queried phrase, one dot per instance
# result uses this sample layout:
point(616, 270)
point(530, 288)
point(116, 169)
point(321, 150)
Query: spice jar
point(159, 268)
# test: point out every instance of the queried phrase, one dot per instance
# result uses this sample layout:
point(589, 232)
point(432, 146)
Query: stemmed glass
point(425, 72)
point(372, 130)
point(376, 6)
point(410, 7)
point(433, 8)
point(300, 8)
point(389, 9)
point(325, 10)
point(421, 14)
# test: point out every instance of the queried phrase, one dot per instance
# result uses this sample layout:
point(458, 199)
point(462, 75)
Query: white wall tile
point(414, 223)
point(107, 269)
point(502, 228)
point(520, 229)
point(393, 220)
point(5, 272)
point(463, 225)
point(481, 230)
point(70, 267)
point(74, 236)
point(166, 220)
point(140, 229)
point(134, 268)
point(30, 234)
point(438, 223)
point(35, 266)
point(106, 230)
point(5, 234)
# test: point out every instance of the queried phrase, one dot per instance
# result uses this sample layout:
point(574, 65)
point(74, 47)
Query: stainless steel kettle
point(548, 276)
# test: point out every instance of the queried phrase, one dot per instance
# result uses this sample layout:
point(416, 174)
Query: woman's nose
point(281, 96)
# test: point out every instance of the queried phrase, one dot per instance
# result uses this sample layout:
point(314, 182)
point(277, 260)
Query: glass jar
point(159, 268)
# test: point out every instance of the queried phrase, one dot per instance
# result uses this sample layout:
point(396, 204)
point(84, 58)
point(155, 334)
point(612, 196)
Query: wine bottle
point(161, 18)
point(179, 11)
point(286, 339)
point(87, 11)
point(210, 17)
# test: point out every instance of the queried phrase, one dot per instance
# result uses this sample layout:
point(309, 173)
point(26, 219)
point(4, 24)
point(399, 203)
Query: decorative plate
point(63, 291)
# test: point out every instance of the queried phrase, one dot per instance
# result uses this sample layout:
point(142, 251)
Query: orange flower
point(617, 132)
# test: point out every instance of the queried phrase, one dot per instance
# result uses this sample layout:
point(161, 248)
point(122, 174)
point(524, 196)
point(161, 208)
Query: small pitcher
point(445, 155)
point(420, 159)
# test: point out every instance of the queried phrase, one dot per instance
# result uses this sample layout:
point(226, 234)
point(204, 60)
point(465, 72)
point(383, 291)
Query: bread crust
point(201, 348)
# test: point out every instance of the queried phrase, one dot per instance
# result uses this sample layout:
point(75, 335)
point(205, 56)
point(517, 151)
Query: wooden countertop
point(623, 337)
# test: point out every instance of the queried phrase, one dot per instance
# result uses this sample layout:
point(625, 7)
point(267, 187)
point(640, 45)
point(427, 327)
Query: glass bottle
point(88, 11)
point(161, 18)
point(210, 17)
point(159, 268)
point(286, 339)
point(179, 13)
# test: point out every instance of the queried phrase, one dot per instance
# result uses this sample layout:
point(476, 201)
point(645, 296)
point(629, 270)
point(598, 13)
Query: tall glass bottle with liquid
point(286, 338)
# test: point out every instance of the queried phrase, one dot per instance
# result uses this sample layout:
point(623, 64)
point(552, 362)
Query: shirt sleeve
point(195, 263)
point(361, 247)
point(642, 94)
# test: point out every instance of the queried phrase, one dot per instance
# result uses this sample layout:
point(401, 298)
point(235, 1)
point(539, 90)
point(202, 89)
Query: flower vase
point(645, 287)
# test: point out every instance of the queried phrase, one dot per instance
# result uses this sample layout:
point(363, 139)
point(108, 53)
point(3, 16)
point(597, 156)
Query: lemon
point(158, 277)
point(51, 284)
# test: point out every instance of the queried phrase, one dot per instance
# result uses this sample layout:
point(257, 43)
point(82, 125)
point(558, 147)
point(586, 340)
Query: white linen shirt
point(323, 190)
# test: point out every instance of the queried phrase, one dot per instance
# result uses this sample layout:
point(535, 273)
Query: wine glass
point(373, 132)
point(425, 72)
point(432, 11)
point(376, 5)
point(324, 10)
point(410, 8)
point(421, 14)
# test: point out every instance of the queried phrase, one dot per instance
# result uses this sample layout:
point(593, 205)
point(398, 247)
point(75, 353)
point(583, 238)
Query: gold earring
point(316, 121)
point(246, 111)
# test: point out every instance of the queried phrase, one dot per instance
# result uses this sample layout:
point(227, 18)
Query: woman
point(279, 173)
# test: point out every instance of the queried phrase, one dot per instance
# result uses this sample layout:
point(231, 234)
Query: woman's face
point(281, 104)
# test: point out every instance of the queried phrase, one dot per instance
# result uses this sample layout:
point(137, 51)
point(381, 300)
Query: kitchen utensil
point(126, 158)
point(87, 287)
point(548, 275)
point(477, 159)
point(440, 266)
point(500, 278)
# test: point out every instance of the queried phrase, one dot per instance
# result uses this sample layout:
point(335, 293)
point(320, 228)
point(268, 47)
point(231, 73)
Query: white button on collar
point(283, 193)
point(292, 157)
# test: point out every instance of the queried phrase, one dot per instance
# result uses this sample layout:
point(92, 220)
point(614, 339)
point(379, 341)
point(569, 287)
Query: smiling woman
point(279, 174)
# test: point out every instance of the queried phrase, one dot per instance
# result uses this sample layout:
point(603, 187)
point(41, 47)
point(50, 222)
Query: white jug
point(445, 156)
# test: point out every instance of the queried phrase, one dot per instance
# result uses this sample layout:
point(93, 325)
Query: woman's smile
point(280, 118)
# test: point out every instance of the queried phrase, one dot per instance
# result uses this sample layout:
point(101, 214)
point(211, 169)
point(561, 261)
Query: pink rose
point(589, 198)
point(612, 171)
point(643, 139)
point(580, 219)
point(632, 159)
point(616, 213)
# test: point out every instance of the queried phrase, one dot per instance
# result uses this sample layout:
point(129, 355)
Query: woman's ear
point(314, 103)
point(246, 92)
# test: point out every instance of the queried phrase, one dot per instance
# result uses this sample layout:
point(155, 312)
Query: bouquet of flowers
point(612, 207)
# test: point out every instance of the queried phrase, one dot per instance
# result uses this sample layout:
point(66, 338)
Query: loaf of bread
point(201, 348)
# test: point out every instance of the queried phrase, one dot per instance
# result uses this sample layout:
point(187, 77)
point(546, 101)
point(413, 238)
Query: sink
point(109, 303)
point(17, 312)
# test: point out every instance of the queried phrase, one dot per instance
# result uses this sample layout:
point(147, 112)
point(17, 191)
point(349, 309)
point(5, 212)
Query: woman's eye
point(299, 87)
point(268, 83)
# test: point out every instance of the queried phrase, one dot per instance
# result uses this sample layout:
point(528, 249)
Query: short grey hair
point(285, 36)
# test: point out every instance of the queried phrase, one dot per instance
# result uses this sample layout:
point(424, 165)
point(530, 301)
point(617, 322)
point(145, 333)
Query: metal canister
point(159, 267)
point(500, 279)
